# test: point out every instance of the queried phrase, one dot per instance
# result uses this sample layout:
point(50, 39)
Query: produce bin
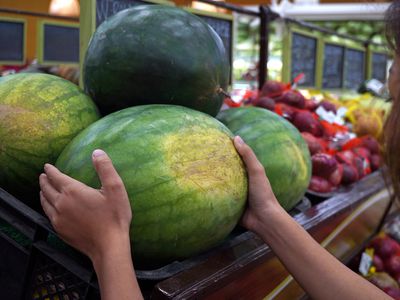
point(35, 263)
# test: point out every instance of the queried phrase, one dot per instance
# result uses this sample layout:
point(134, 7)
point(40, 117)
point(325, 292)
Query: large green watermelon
point(278, 145)
point(156, 54)
point(39, 116)
point(186, 183)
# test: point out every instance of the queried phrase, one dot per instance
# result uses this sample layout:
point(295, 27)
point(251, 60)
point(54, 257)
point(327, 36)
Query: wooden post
point(263, 56)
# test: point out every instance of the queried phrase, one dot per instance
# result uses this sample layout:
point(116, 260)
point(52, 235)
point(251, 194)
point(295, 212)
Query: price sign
point(379, 66)
point(12, 41)
point(332, 76)
point(304, 58)
point(60, 43)
point(354, 68)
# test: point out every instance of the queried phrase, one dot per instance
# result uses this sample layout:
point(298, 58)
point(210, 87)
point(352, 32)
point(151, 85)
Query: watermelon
point(39, 116)
point(278, 145)
point(155, 54)
point(186, 183)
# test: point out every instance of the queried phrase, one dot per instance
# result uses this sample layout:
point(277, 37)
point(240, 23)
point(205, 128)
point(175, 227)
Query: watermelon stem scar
point(221, 91)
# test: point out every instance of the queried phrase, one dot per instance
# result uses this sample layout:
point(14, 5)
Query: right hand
point(262, 202)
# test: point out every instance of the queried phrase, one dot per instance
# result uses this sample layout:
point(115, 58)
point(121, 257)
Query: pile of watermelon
point(157, 75)
point(186, 182)
point(337, 159)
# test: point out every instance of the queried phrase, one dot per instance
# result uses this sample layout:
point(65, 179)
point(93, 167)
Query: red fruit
point(272, 89)
point(378, 263)
point(362, 165)
point(371, 143)
point(293, 98)
point(266, 102)
point(323, 165)
point(392, 265)
point(363, 152)
point(285, 111)
point(346, 157)
point(387, 248)
point(328, 106)
point(376, 162)
point(311, 105)
point(320, 185)
point(336, 176)
point(397, 278)
point(313, 144)
point(305, 122)
point(393, 292)
point(350, 174)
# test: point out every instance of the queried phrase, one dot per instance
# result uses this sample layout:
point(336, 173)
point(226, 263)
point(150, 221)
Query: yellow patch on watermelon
point(298, 156)
point(206, 159)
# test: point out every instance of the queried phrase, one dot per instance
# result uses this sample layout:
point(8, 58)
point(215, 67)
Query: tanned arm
point(320, 274)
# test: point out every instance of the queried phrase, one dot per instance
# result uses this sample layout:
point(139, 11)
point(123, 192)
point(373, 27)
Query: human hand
point(88, 219)
point(262, 203)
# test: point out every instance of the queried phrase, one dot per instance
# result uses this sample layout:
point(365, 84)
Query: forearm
point(116, 274)
point(320, 274)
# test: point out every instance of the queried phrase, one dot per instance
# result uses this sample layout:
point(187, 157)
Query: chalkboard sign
point(379, 66)
point(223, 28)
point(304, 58)
point(60, 43)
point(332, 77)
point(107, 8)
point(12, 39)
point(354, 68)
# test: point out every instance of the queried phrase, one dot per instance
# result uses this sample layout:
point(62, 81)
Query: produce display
point(364, 112)
point(186, 182)
point(39, 116)
point(384, 271)
point(279, 147)
point(156, 54)
point(158, 74)
point(341, 133)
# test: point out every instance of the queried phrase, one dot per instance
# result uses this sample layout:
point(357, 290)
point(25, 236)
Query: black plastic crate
point(34, 262)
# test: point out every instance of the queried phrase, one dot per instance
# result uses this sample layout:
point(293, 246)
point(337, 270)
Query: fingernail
point(239, 140)
point(45, 166)
point(98, 153)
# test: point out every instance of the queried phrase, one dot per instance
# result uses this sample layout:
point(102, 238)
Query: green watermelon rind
point(278, 145)
point(155, 54)
point(173, 218)
point(39, 116)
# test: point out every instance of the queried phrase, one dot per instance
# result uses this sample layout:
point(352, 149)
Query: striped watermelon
point(39, 115)
point(156, 54)
point(278, 145)
point(186, 182)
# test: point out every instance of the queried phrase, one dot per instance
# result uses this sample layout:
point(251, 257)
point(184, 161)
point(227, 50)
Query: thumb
point(253, 165)
point(108, 176)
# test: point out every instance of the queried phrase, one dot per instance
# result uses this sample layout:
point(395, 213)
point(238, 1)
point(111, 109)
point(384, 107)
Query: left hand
point(88, 219)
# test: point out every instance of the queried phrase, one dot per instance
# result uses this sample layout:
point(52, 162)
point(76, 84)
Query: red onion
point(320, 185)
point(323, 165)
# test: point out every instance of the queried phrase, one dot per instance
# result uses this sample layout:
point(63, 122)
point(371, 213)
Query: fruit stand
point(324, 159)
